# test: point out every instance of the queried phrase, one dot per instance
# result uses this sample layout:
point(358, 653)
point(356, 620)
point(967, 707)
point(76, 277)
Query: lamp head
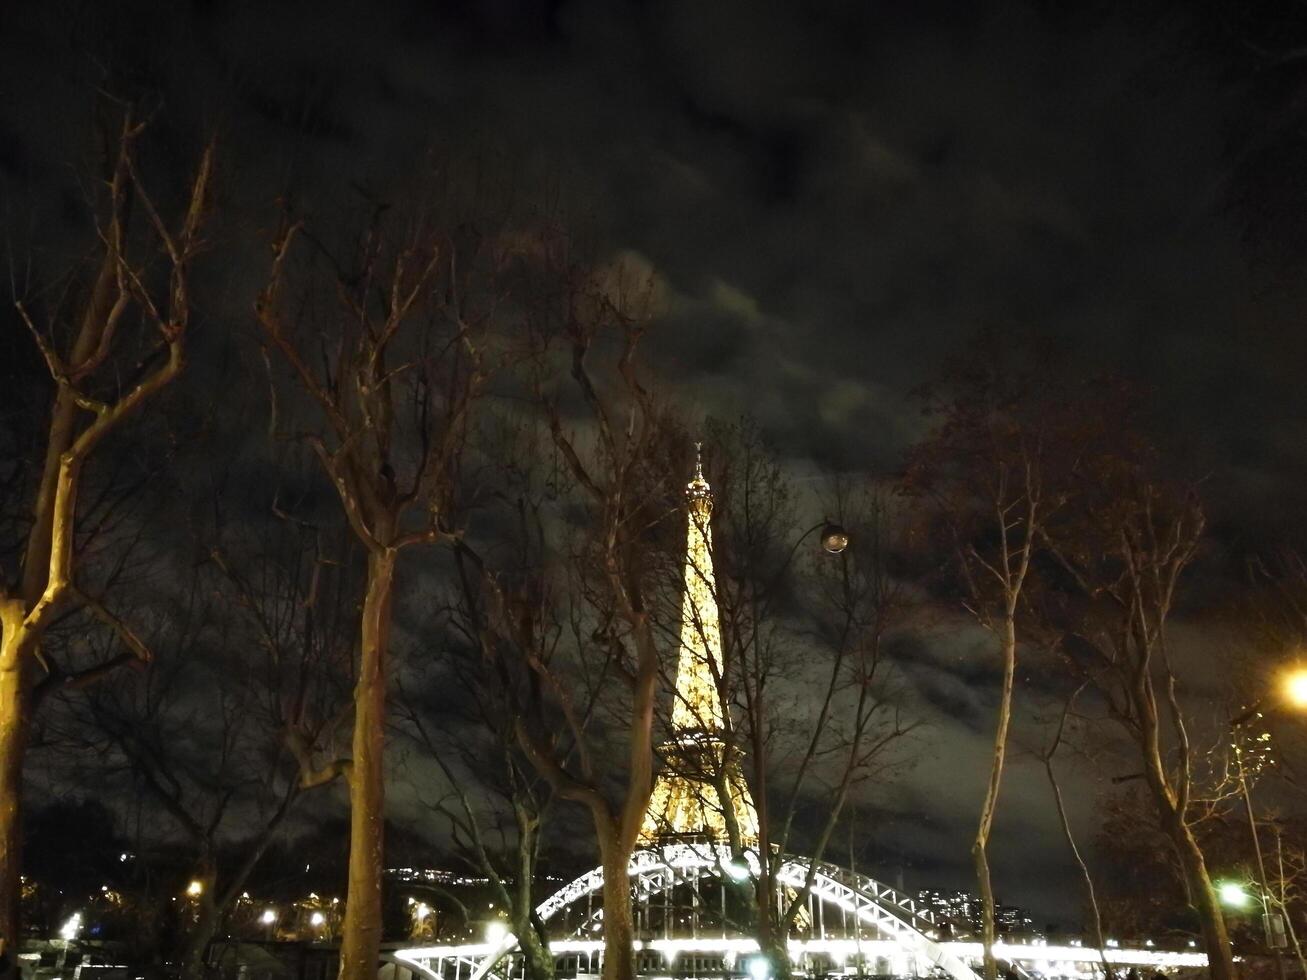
point(1232, 893)
point(834, 539)
point(1295, 688)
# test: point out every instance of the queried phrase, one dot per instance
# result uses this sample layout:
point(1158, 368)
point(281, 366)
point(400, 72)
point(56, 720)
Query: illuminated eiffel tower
point(686, 803)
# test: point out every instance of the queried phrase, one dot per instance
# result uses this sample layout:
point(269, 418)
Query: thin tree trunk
point(206, 924)
point(13, 746)
point(980, 849)
point(214, 905)
point(619, 927)
point(774, 946)
point(1284, 906)
point(768, 858)
point(1080, 863)
point(533, 942)
point(361, 932)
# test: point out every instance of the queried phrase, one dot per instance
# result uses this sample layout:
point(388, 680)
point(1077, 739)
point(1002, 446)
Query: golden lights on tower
point(685, 800)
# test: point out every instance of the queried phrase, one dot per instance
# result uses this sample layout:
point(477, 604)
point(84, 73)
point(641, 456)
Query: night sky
point(832, 196)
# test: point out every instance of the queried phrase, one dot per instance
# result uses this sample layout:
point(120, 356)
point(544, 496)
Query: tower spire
point(698, 707)
point(685, 800)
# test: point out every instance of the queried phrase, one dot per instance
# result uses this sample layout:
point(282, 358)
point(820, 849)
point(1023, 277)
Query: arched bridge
point(676, 891)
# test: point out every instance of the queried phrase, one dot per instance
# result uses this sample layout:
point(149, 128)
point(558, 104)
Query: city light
point(69, 930)
point(495, 932)
point(1233, 894)
point(195, 888)
point(268, 917)
point(736, 870)
point(317, 919)
point(1295, 688)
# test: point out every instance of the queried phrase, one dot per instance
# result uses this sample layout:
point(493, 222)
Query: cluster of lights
point(437, 876)
point(757, 967)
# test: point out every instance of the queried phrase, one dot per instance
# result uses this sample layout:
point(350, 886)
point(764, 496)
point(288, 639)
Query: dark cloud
point(831, 196)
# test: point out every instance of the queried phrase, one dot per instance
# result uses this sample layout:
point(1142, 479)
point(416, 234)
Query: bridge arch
point(654, 872)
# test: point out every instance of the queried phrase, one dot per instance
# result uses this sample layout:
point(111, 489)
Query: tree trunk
point(1090, 893)
point(1220, 959)
point(980, 849)
point(214, 905)
point(13, 746)
point(773, 944)
point(539, 962)
point(981, 857)
point(619, 928)
point(361, 933)
point(201, 932)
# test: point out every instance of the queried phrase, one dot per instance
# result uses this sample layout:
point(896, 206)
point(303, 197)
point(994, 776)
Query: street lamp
point(1294, 692)
point(834, 539)
point(269, 919)
point(1295, 688)
point(1233, 894)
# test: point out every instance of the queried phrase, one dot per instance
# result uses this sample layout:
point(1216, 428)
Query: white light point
point(69, 930)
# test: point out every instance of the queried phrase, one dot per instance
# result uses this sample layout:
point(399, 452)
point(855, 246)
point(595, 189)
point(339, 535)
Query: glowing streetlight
point(317, 919)
point(69, 930)
point(495, 932)
point(1295, 688)
point(195, 889)
point(1233, 894)
point(737, 870)
point(268, 917)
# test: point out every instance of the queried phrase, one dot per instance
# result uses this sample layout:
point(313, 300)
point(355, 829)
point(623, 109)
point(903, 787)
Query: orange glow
point(1295, 688)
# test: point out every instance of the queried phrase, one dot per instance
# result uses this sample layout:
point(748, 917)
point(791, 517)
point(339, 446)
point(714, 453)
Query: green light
point(1232, 894)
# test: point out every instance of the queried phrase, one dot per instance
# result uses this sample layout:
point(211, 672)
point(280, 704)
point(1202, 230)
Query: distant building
point(962, 910)
point(1010, 920)
point(436, 876)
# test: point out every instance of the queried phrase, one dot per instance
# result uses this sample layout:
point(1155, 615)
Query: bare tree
point(806, 733)
point(101, 379)
point(1125, 546)
point(393, 368)
point(494, 803)
point(266, 639)
point(576, 629)
point(985, 468)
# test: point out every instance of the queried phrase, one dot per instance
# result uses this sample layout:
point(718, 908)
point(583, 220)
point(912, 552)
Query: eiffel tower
point(685, 804)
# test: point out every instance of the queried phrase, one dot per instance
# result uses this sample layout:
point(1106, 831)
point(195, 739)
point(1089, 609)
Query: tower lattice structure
point(686, 802)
